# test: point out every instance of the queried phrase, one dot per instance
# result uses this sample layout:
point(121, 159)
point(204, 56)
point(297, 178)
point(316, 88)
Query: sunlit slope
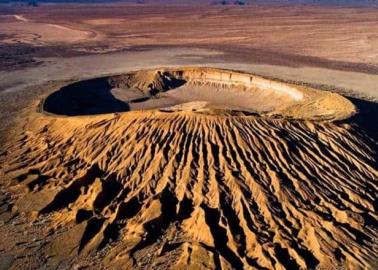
point(186, 190)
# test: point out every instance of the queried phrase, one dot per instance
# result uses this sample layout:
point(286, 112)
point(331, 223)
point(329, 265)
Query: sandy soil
point(343, 34)
point(20, 29)
point(214, 172)
point(185, 190)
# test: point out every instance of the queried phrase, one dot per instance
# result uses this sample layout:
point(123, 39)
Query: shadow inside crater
point(87, 97)
point(366, 118)
point(95, 96)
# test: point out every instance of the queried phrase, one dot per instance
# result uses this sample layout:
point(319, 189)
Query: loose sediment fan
point(199, 168)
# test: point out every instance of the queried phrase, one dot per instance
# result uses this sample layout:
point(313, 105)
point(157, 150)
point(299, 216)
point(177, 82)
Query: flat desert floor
point(152, 136)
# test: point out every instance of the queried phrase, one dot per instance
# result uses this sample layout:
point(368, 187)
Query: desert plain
point(188, 135)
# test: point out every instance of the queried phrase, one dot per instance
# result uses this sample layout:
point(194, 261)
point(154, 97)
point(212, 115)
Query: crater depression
point(204, 90)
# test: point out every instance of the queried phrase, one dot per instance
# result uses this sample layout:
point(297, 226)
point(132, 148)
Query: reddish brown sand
point(335, 34)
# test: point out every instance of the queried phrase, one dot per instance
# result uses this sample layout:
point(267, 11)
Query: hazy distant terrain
point(276, 2)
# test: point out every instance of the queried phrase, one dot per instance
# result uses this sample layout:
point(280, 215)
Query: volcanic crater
point(205, 90)
point(197, 168)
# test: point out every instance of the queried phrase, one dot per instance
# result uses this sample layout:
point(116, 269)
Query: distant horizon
point(186, 2)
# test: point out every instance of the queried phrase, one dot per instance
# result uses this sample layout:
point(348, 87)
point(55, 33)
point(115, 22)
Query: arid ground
point(182, 136)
